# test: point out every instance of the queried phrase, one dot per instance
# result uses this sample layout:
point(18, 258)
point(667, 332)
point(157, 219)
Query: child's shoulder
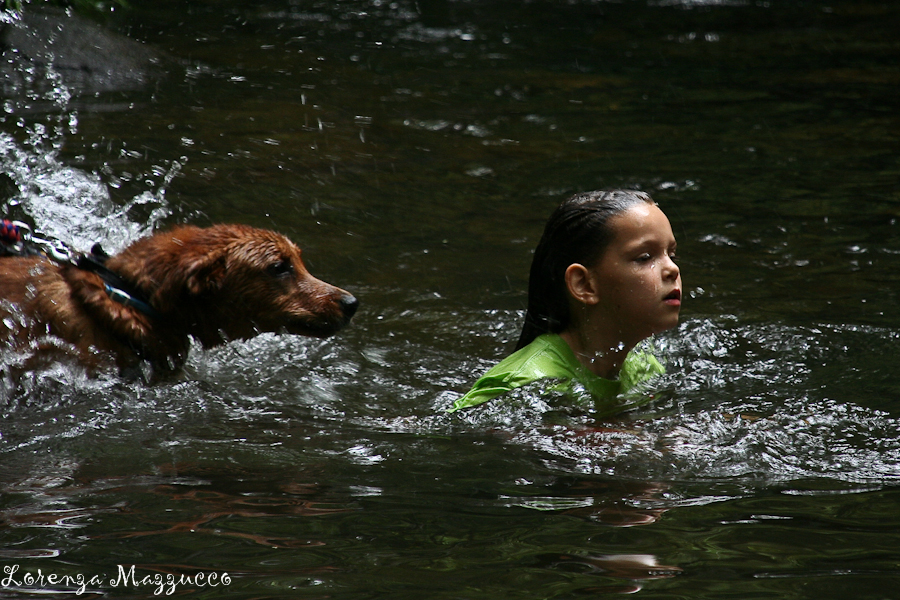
point(547, 357)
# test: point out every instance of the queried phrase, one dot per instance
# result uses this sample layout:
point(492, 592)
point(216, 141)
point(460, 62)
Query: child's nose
point(670, 268)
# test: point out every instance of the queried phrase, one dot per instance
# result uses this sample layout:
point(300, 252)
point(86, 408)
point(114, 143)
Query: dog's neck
point(115, 285)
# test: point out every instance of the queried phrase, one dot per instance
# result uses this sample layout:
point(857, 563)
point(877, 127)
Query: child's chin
point(667, 325)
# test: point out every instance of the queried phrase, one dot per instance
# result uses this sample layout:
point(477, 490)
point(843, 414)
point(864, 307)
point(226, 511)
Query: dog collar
point(116, 287)
point(123, 297)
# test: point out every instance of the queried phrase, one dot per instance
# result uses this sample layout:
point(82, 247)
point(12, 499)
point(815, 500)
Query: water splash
point(72, 205)
point(62, 201)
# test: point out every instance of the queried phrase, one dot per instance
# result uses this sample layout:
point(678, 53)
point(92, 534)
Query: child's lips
point(673, 298)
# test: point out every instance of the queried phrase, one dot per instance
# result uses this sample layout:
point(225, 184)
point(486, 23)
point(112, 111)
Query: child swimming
point(603, 279)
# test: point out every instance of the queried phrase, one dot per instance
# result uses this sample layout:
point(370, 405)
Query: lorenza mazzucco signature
point(79, 583)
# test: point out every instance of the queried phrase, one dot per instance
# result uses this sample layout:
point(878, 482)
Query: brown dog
point(214, 284)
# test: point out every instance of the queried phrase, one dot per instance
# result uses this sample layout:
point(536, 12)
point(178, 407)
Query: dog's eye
point(283, 268)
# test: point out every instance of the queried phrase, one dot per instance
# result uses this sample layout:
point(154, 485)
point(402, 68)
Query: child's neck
point(602, 357)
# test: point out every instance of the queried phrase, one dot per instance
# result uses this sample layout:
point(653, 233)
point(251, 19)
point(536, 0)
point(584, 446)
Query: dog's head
point(237, 281)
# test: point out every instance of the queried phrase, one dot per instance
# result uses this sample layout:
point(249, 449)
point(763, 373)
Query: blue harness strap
point(117, 288)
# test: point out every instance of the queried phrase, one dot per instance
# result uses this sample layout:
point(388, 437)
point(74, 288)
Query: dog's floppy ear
point(194, 274)
point(205, 273)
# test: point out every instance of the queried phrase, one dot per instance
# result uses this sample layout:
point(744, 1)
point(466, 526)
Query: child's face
point(638, 282)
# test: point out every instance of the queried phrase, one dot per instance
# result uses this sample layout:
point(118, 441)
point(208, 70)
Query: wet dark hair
point(578, 231)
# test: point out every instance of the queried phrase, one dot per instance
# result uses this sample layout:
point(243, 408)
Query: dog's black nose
point(349, 304)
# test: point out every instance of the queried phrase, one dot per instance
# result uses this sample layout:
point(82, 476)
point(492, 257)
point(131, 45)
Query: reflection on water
point(414, 150)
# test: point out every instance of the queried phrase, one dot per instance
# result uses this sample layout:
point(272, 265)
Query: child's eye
point(644, 257)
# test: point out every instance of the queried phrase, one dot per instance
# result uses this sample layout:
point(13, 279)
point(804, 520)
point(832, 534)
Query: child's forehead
point(639, 222)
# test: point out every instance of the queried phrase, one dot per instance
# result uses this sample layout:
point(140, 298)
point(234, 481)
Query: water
point(414, 150)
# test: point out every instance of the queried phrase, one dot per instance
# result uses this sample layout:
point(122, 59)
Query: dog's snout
point(349, 304)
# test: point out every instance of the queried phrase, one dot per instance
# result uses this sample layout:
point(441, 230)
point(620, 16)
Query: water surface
point(414, 150)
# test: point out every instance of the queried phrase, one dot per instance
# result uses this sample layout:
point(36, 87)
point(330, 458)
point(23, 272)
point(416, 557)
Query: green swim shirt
point(550, 357)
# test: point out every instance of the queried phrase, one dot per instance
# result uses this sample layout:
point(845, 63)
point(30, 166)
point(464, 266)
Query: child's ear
point(581, 284)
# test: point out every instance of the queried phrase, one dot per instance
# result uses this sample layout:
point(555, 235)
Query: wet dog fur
point(214, 284)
